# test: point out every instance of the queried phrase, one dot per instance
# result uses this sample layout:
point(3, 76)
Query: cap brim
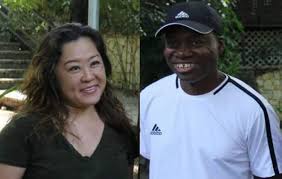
point(197, 27)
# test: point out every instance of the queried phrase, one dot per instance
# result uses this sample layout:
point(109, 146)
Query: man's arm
point(265, 144)
point(144, 168)
point(274, 177)
point(130, 171)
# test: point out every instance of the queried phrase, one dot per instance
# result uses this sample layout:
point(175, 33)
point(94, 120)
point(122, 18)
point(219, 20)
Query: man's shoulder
point(248, 90)
point(253, 100)
point(164, 84)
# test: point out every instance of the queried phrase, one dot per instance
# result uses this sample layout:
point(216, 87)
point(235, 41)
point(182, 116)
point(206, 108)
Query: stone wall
point(124, 54)
point(270, 86)
point(130, 103)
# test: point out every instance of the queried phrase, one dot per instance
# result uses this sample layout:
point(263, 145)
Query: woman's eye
point(94, 63)
point(74, 68)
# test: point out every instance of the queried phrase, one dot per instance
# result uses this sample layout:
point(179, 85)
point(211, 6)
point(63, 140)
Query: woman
point(71, 125)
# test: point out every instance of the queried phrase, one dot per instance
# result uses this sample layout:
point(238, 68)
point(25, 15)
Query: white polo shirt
point(231, 132)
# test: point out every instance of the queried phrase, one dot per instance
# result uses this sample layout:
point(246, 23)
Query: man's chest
point(193, 130)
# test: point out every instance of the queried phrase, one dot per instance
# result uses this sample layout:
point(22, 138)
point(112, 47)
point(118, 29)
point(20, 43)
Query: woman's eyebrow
point(77, 60)
point(93, 56)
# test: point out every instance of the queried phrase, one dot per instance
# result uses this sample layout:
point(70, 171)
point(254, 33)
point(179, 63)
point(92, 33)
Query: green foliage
point(120, 17)
point(152, 65)
point(4, 33)
point(49, 9)
point(279, 111)
point(28, 5)
point(33, 18)
point(120, 22)
point(54, 10)
point(153, 14)
point(232, 33)
point(9, 90)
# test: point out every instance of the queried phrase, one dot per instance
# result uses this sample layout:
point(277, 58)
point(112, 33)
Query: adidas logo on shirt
point(156, 130)
point(182, 14)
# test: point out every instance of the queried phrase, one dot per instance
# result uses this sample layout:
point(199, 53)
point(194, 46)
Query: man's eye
point(172, 44)
point(197, 42)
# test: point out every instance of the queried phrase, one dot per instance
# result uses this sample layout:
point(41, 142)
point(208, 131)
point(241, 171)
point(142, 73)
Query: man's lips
point(183, 67)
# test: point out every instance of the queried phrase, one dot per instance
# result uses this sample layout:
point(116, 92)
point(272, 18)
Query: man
point(200, 123)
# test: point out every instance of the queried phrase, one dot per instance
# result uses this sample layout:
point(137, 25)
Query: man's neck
point(203, 86)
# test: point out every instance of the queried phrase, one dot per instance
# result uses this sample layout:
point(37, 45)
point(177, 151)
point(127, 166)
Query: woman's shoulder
point(21, 124)
point(15, 140)
point(24, 120)
point(122, 141)
point(114, 138)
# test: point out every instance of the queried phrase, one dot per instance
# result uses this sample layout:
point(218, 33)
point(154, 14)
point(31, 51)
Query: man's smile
point(184, 67)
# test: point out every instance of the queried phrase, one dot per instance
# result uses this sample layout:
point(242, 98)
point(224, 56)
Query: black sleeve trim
point(176, 82)
point(273, 177)
point(267, 125)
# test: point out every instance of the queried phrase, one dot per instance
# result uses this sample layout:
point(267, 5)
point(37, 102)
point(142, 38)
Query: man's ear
point(221, 46)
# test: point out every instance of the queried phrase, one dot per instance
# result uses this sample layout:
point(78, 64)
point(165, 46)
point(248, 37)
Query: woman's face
point(81, 73)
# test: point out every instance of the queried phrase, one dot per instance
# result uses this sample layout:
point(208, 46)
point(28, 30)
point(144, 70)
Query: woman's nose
point(87, 75)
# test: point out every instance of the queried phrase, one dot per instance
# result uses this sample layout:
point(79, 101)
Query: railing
point(261, 49)
point(28, 29)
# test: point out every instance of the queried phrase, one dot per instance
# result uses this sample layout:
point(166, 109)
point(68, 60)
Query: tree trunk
point(79, 11)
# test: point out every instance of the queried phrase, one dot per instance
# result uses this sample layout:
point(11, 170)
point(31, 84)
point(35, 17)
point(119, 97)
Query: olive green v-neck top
point(58, 159)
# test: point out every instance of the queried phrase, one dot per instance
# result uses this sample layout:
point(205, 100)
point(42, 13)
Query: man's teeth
point(186, 65)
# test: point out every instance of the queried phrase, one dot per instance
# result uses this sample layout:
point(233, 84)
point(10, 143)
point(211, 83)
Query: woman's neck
point(82, 114)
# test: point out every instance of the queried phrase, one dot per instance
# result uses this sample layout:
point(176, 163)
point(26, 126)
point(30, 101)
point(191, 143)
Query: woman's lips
point(184, 67)
point(89, 90)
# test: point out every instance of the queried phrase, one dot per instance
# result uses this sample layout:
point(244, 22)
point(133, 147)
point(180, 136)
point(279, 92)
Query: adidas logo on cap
point(182, 14)
point(156, 130)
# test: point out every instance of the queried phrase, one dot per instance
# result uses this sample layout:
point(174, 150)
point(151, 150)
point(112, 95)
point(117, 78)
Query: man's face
point(192, 56)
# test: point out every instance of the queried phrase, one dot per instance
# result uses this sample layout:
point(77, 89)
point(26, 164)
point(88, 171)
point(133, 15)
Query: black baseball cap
point(197, 16)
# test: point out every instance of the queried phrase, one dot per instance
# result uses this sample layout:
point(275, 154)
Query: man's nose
point(184, 50)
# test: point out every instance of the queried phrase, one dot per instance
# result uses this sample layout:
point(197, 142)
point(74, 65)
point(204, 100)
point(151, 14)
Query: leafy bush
point(232, 33)
point(52, 10)
point(35, 17)
point(120, 24)
point(121, 17)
